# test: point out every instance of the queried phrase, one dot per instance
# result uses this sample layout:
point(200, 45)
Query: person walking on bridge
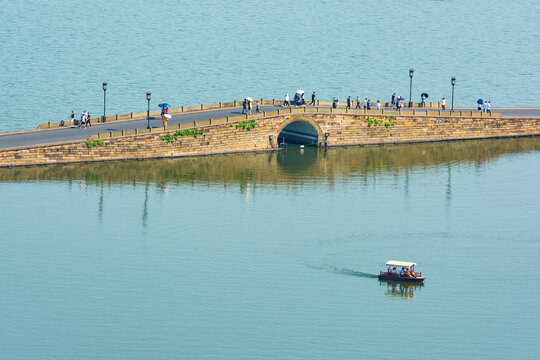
point(358, 102)
point(443, 103)
point(88, 123)
point(286, 101)
point(244, 107)
point(349, 102)
point(82, 119)
point(312, 103)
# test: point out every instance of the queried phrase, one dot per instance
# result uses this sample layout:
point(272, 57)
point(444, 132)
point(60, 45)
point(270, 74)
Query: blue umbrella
point(164, 105)
point(480, 101)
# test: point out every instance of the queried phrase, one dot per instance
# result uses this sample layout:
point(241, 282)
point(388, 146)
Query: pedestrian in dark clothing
point(312, 99)
point(349, 102)
point(358, 102)
point(88, 123)
point(244, 107)
point(368, 104)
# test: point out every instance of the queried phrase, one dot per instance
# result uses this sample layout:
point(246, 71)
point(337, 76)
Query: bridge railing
point(202, 107)
point(194, 125)
point(292, 110)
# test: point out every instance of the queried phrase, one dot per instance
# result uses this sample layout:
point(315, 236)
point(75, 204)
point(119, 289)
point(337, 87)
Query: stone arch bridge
point(266, 130)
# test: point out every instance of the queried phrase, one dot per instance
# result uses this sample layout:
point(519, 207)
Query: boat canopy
point(399, 263)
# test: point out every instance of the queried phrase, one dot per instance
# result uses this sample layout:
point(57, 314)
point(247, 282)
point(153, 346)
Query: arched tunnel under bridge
point(298, 132)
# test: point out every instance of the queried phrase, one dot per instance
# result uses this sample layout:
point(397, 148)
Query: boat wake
point(345, 271)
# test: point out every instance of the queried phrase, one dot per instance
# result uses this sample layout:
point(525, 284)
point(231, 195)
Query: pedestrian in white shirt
point(378, 104)
point(443, 103)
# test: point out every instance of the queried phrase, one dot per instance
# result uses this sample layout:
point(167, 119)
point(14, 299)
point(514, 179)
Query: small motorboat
point(405, 273)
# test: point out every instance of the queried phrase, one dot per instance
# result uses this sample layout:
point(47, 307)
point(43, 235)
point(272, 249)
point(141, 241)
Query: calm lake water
point(55, 54)
point(273, 255)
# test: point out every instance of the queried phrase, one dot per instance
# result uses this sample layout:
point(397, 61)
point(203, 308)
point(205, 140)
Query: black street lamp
point(148, 97)
point(104, 99)
point(453, 81)
point(411, 73)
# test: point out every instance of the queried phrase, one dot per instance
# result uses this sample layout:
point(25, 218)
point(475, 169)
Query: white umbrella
point(300, 92)
point(249, 99)
point(168, 116)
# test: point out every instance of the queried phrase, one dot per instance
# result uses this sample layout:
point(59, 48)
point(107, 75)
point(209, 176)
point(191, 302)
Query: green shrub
point(170, 138)
point(371, 121)
point(91, 144)
point(246, 125)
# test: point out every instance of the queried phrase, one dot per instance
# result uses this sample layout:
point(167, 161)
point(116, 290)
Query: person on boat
point(408, 272)
point(395, 272)
point(413, 274)
point(402, 272)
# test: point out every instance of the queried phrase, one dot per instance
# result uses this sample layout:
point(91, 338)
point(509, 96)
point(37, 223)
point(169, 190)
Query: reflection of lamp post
point(411, 73)
point(148, 97)
point(104, 99)
point(453, 81)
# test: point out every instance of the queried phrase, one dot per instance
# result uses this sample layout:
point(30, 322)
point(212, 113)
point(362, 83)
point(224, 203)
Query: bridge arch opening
point(299, 132)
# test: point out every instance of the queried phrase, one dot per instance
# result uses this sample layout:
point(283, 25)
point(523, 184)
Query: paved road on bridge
point(62, 135)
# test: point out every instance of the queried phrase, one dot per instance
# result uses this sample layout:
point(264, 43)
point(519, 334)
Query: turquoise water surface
point(274, 255)
point(55, 54)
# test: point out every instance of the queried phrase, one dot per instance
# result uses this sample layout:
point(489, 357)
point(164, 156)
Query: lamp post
point(148, 97)
point(453, 81)
point(411, 73)
point(104, 99)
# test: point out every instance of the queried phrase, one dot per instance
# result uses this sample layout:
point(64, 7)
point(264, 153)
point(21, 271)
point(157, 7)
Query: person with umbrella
point(249, 105)
point(164, 112)
point(424, 97)
point(480, 102)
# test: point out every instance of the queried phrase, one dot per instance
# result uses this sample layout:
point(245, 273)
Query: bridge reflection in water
point(292, 167)
point(285, 167)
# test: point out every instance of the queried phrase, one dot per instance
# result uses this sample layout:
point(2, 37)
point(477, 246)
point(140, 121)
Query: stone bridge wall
point(342, 129)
